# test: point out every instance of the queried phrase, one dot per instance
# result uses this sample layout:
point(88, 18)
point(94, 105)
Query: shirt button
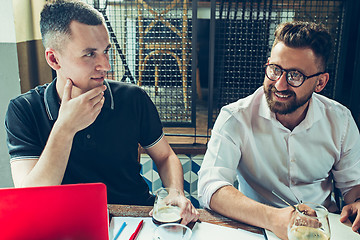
point(88, 136)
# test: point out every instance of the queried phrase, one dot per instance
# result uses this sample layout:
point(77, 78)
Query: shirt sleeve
point(151, 127)
point(346, 171)
point(221, 159)
point(21, 135)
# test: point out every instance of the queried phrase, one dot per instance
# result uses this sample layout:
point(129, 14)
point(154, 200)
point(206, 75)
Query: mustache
point(102, 73)
point(273, 89)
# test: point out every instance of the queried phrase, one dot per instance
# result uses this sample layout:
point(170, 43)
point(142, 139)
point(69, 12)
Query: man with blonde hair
point(83, 128)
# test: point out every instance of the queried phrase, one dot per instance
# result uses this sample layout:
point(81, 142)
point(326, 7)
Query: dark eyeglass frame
point(288, 74)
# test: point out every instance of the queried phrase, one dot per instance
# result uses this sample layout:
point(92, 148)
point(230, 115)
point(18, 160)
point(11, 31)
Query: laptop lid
point(65, 212)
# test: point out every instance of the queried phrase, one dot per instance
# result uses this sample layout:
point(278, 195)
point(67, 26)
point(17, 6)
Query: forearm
point(50, 167)
point(168, 165)
point(231, 203)
point(171, 173)
point(352, 195)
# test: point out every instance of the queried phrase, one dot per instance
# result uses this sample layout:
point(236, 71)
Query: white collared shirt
point(249, 144)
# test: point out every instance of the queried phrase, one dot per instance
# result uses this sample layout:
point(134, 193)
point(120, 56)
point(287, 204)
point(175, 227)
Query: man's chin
point(97, 82)
point(280, 108)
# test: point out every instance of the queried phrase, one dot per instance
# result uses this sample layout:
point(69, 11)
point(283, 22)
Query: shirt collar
point(52, 103)
point(264, 110)
point(313, 114)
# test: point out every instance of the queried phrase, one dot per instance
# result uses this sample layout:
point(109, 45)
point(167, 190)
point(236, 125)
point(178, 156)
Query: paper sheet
point(201, 231)
point(339, 231)
point(206, 231)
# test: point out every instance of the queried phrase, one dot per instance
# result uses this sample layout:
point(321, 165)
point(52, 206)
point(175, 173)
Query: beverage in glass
point(166, 206)
point(309, 222)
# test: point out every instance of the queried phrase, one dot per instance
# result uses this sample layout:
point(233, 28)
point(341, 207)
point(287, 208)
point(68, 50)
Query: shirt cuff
point(207, 194)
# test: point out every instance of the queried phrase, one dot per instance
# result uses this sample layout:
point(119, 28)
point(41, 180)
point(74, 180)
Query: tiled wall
point(191, 165)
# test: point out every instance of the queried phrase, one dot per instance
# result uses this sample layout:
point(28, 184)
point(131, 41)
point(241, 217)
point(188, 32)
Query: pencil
point(135, 234)
point(120, 230)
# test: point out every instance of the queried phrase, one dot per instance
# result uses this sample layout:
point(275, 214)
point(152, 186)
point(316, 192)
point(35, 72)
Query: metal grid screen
point(244, 36)
point(152, 48)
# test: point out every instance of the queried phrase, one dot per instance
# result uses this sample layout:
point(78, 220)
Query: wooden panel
point(33, 67)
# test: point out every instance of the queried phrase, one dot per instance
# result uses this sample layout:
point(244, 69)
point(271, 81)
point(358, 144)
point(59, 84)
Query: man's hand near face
point(75, 114)
point(81, 111)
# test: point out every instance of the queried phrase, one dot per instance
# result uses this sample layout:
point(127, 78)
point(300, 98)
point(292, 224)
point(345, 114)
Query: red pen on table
point(136, 233)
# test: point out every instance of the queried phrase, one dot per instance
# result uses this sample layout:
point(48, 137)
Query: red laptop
point(65, 212)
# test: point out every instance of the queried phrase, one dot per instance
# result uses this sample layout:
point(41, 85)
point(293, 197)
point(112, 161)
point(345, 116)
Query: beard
point(287, 107)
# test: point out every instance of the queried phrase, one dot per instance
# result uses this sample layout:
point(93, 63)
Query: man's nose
point(281, 84)
point(103, 63)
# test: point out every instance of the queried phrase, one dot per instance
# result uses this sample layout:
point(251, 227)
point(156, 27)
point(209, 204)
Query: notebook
point(65, 212)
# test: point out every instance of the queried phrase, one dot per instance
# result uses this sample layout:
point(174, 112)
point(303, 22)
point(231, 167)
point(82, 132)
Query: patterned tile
point(193, 183)
point(154, 166)
point(198, 159)
point(156, 184)
point(146, 169)
point(146, 165)
point(186, 186)
point(149, 183)
point(194, 202)
point(191, 165)
point(183, 158)
point(187, 195)
point(196, 163)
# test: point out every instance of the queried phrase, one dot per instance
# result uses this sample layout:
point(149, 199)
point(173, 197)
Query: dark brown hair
point(306, 35)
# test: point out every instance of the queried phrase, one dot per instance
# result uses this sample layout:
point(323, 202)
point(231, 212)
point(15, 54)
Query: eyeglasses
point(294, 78)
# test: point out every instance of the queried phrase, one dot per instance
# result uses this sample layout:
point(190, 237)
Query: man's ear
point(52, 58)
point(321, 82)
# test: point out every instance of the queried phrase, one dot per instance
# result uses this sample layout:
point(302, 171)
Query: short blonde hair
point(56, 17)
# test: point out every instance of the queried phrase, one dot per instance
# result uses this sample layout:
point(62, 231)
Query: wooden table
point(205, 216)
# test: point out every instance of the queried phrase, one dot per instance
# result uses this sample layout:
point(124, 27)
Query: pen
point(136, 233)
point(273, 192)
point(264, 233)
point(120, 230)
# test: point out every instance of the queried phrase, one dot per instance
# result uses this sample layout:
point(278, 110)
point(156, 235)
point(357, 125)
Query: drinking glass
point(172, 231)
point(166, 206)
point(309, 222)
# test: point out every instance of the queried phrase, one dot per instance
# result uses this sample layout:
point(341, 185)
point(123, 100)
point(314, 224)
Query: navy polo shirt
point(106, 151)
